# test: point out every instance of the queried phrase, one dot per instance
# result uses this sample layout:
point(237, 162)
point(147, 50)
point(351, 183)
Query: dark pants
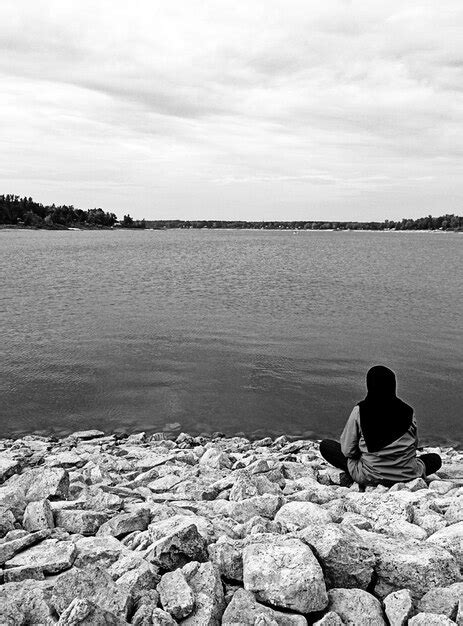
point(331, 452)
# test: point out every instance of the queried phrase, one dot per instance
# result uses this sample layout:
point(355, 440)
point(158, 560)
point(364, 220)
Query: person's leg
point(331, 452)
point(432, 462)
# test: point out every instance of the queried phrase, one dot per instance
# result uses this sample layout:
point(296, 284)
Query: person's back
point(379, 441)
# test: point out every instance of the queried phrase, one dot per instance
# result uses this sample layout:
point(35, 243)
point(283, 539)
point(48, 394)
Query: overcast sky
point(243, 109)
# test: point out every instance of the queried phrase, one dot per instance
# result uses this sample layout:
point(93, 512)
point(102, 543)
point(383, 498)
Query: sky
point(213, 109)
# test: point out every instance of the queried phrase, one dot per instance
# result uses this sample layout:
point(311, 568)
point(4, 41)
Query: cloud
point(224, 109)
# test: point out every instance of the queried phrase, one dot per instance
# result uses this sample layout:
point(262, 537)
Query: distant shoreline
point(16, 227)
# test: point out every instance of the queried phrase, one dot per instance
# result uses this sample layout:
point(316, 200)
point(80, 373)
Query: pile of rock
point(99, 529)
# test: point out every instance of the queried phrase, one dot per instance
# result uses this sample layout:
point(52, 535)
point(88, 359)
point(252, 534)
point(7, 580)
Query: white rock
point(82, 612)
point(442, 600)
point(38, 516)
point(95, 584)
point(297, 515)
point(227, 555)
point(24, 603)
point(450, 538)
point(329, 619)
point(80, 522)
point(207, 587)
point(284, 572)
point(176, 595)
point(356, 607)
point(244, 610)
point(101, 551)
point(430, 619)
point(51, 556)
point(398, 607)
point(215, 458)
point(347, 560)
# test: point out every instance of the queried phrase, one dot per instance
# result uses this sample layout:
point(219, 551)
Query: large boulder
point(296, 515)
point(408, 565)
point(51, 556)
point(356, 607)
point(176, 595)
point(79, 521)
point(450, 538)
point(245, 611)
point(247, 485)
point(398, 607)
point(204, 580)
point(243, 510)
point(82, 612)
point(346, 558)
point(38, 516)
point(442, 600)
point(24, 602)
point(284, 572)
point(95, 584)
point(430, 619)
point(125, 523)
point(9, 548)
point(182, 545)
point(227, 554)
point(101, 551)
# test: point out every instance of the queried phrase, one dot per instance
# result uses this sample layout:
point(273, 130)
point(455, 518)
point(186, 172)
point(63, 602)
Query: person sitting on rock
point(379, 442)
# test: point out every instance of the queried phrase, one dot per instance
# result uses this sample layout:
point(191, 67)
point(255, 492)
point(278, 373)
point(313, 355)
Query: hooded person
point(379, 441)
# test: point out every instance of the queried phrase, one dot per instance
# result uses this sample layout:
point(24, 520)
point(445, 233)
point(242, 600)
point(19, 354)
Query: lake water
point(263, 332)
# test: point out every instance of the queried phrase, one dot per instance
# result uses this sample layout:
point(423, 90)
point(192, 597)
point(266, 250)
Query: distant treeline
point(444, 222)
point(25, 212)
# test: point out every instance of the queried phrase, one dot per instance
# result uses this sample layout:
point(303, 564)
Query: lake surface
point(262, 332)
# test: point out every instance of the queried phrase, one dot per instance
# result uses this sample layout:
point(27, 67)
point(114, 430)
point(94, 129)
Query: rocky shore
point(99, 529)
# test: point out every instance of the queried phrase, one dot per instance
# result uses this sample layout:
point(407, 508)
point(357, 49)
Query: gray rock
point(227, 555)
point(8, 466)
point(183, 544)
point(101, 551)
point(80, 522)
point(139, 582)
point(454, 513)
point(9, 548)
point(347, 560)
point(329, 619)
point(284, 572)
point(356, 607)
point(243, 609)
point(247, 485)
point(442, 600)
point(7, 521)
point(215, 458)
point(51, 556)
point(95, 584)
point(82, 612)
point(243, 510)
point(162, 528)
point(406, 565)
point(150, 616)
point(430, 619)
point(398, 607)
point(24, 602)
point(126, 523)
point(296, 515)
point(450, 538)
point(87, 434)
point(38, 516)
point(42, 483)
point(208, 592)
point(17, 574)
point(385, 509)
point(176, 595)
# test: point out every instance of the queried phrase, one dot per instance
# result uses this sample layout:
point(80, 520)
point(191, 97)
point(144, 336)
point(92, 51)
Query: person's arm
point(350, 436)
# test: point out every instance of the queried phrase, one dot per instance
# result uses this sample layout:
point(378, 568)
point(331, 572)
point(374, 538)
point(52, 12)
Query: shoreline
point(98, 528)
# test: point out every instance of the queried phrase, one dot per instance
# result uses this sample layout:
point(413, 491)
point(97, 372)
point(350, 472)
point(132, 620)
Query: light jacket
point(397, 462)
